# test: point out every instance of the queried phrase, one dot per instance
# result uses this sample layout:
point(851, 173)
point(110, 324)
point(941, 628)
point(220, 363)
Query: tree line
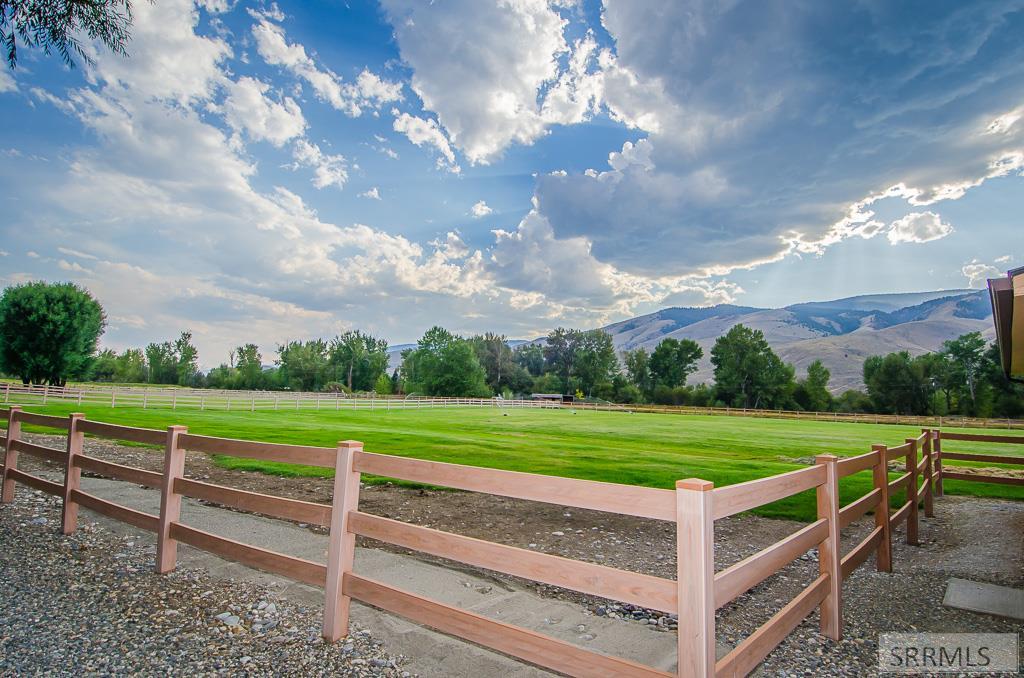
point(49, 333)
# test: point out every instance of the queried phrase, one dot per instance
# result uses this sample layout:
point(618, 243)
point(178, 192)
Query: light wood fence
point(695, 595)
point(251, 401)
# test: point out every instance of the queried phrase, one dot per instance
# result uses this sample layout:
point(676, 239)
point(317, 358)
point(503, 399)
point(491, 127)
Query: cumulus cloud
point(253, 262)
point(480, 209)
point(792, 155)
point(373, 194)
point(977, 273)
point(328, 170)
point(918, 227)
point(479, 65)
point(368, 91)
point(248, 108)
point(424, 132)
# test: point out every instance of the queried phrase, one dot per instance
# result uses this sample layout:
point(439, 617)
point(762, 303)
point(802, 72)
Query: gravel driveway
point(973, 538)
point(90, 604)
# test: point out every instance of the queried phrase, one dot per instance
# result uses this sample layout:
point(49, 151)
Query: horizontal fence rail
point(694, 506)
point(252, 401)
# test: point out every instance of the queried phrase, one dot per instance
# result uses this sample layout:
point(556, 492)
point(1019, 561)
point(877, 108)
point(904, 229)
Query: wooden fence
point(694, 506)
point(252, 401)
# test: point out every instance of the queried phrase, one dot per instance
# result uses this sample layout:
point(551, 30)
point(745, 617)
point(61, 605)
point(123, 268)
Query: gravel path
point(90, 604)
point(973, 538)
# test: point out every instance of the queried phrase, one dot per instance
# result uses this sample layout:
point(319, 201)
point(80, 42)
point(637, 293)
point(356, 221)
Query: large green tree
point(444, 364)
point(60, 25)
point(249, 363)
point(747, 371)
point(966, 356)
point(504, 373)
point(595, 363)
point(673, 360)
point(303, 364)
point(638, 369)
point(48, 331)
point(898, 383)
point(187, 359)
point(361, 359)
point(812, 392)
point(560, 352)
point(531, 358)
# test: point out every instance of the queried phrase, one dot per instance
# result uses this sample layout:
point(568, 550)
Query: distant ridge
point(841, 332)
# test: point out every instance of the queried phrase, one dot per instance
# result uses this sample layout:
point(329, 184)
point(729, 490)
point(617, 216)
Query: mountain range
point(841, 333)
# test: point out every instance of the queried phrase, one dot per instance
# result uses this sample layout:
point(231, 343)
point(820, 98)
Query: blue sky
point(261, 172)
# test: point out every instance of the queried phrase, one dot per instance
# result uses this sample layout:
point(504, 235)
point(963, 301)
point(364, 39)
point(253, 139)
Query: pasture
point(641, 449)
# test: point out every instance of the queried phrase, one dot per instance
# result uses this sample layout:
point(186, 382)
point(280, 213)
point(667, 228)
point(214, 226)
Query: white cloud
point(785, 159)
point(977, 273)
point(218, 6)
point(918, 227)
point(373, 194)
point(248, 108)
point(7, 83)
point(177, 64)
point(479, 67)
point(1005, 259)
point(328, 170)
point(480, 209)
point(76, 253)
point(426, 132)
point(369, 90)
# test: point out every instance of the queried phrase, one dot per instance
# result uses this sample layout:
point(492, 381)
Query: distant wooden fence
point(251, 401)
point(694, 506)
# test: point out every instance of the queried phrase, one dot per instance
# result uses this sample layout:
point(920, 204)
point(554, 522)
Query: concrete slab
point(431, 653)
point(1001, 601)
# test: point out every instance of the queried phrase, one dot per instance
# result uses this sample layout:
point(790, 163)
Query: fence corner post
point(937, 451)
point(695, 577)
point(912, 520)
point(829, 550)
point(929, 487)
point(170, 501)
point(880, 474)
point(341, 549)
point(72, 474)
point(10, 455)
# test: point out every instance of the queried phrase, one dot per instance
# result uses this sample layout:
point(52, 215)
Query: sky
point(260, 172)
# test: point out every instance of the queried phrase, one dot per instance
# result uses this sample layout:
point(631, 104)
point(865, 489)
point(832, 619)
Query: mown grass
point(641, 449)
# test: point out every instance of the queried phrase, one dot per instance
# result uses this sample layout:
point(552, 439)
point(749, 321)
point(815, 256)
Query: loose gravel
point(90, 604)
point(969, 537)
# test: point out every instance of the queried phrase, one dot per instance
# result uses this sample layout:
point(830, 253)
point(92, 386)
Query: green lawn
point(642, 449)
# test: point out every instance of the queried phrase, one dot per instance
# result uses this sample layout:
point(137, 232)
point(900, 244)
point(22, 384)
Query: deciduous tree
point(48, 331)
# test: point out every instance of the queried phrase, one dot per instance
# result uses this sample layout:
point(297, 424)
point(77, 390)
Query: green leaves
point(48, 331)
point(444, 364)
point(748, 373)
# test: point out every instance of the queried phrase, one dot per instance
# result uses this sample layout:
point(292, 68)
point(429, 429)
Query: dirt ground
point(980, 539)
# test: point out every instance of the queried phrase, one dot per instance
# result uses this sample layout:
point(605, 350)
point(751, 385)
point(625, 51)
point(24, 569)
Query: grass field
point(641, 449)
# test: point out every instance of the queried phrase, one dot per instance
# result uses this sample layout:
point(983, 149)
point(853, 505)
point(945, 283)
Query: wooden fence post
point(72, 473)
point(830, 550)
point(880, 473)
point(929, 489)
point(10, 456)
point(7, 393)
point(170, 501)
point(695, 573)
point(341, 550)
point(937, 451)
point(912, 520)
